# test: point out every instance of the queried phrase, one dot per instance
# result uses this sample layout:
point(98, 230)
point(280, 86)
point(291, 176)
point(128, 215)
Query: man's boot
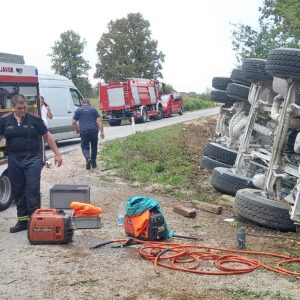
point(21, 225)
point(88, 164)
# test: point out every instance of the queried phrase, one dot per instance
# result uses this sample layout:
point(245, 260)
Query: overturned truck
point(265, 176)
point(276, 204)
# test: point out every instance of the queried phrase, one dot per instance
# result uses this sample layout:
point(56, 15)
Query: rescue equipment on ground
point(241, 239)
point(86, 216)
point(85, 210)
point(144, 219)
point(62, 195)
point(193, 258)
point(90, 222)
point(50, 226)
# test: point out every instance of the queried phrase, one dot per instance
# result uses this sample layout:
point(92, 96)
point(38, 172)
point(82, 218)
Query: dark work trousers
point(24, 171)
point(89, 144)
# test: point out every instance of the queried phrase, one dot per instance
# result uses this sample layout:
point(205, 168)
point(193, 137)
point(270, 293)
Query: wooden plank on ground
point(185, 211)
point(212, 208)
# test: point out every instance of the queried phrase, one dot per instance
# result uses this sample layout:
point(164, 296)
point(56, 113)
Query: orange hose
point(185, 254)
point(170, 255)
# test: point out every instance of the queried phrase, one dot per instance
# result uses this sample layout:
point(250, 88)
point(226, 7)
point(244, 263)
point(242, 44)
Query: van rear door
point(58, 99)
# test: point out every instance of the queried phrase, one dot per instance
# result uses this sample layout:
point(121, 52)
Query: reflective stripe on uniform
point(24, 218)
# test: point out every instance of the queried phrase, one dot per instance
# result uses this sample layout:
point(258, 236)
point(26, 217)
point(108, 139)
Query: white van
point(63, 98)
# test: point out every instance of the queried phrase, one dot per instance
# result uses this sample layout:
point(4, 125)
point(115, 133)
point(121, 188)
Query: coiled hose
point(188, 258)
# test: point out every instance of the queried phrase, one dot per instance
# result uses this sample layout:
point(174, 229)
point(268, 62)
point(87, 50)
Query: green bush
point(197, 102)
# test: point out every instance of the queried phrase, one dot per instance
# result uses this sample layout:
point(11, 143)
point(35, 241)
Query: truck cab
point(172, 104)
point(14, 79)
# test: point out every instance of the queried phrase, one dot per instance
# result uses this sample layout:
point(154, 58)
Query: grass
point(152, 157)
point(204, 194)
point(95, 102)
point(160, 159)
point(197, 102)
point(241, 293)
point(294, 252)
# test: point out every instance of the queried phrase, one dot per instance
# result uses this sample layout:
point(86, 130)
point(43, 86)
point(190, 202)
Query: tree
point(278, 27)
point(168, 89)
point(67, 60)
point(84, 86)
point(284, 13)
point(127, 50)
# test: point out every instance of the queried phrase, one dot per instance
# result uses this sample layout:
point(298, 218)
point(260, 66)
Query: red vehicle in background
point(172, 104)
point(137, 98)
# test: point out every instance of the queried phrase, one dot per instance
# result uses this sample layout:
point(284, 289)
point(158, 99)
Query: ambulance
point(15, 78)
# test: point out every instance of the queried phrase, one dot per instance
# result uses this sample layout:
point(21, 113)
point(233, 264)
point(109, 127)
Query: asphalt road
point(125, 130)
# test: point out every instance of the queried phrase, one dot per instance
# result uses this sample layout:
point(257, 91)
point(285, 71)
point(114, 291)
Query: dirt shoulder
point(74, 271)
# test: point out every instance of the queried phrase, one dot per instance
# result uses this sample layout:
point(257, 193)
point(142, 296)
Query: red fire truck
point(14, 79)
point(138, 98)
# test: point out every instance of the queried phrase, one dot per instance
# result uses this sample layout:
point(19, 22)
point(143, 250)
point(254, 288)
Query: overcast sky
point(195, 35)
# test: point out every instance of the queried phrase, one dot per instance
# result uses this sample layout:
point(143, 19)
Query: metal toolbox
point(87, 222)
point(62, 195)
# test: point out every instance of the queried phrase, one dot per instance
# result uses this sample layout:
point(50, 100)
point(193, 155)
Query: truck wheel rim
point(5, 190)
point(144, 116)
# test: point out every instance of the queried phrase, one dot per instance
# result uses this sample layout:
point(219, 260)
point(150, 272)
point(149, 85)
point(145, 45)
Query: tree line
point(128, 50)
point(279, 26)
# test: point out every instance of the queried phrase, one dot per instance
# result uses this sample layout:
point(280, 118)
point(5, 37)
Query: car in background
point(172, 104)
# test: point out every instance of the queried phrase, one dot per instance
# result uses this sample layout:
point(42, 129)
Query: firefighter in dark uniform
point(22, 132)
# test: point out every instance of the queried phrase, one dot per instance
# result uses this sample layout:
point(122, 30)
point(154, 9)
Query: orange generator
point(50, 226)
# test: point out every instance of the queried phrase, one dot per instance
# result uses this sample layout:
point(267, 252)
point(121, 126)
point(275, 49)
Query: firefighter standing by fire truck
point(22, 132)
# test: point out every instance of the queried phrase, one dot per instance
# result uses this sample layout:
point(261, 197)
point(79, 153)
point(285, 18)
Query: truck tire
point(144, 117)
point(5, 192)
point(238, 92)
point(221, 97)
point(220, 153)
point(181, 112)
point(251, 205)
point(255, 70)
point(160, 113)
point(226, 181)
point(284, 63)
point(114, 122)
point(210, 164)
point(238, 76)
point(220, 83)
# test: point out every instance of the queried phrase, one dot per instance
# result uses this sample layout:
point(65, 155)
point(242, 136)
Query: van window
point(56, 98)
point(76, 97)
